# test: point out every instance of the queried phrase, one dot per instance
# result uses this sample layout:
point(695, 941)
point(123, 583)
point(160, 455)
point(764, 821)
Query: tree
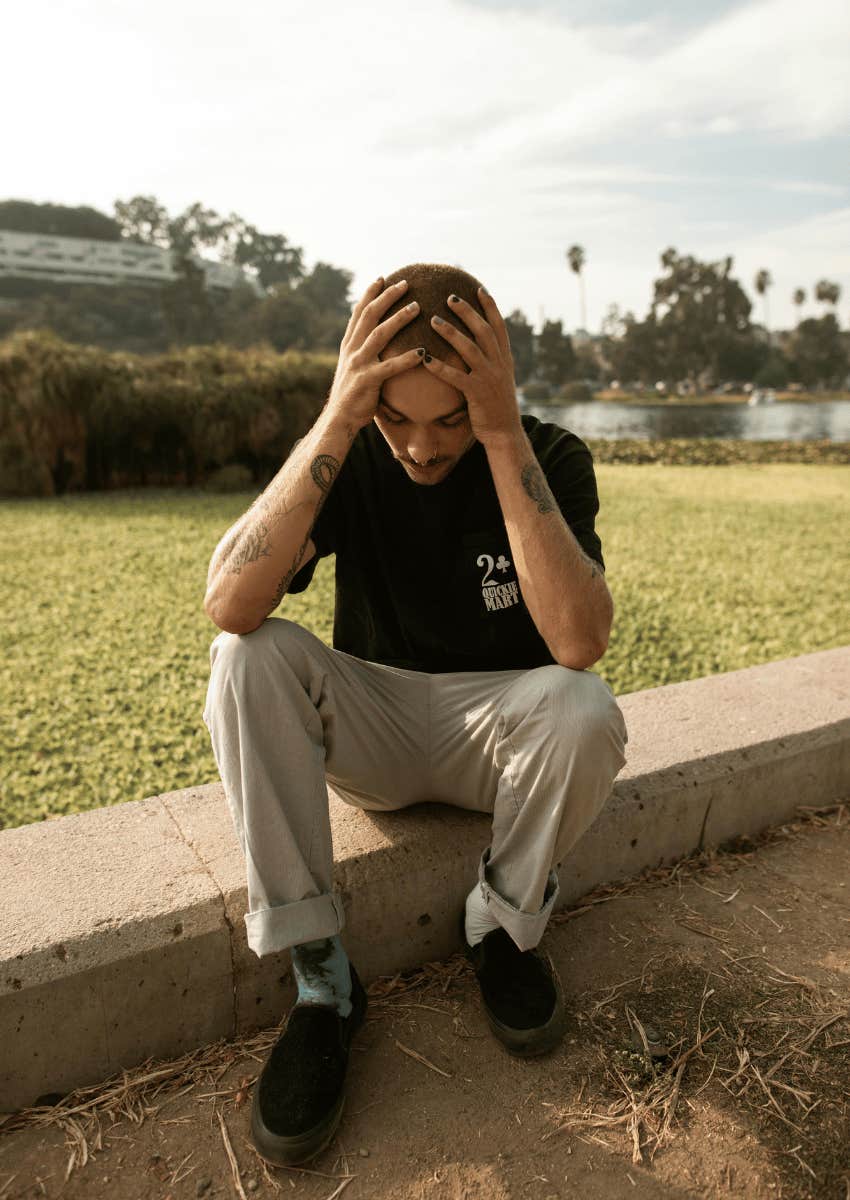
point(799, 299)
point(818, 352)
point(285, 319)
point(267, 256)
point(521, 336)
point(555, 355)
point(143, 219)
point(326, 289)
point(24, 216)
point(697, 308)
point(575, 257)
point(630, 347)
point(827, 292)
point(187, 306)
point(763, 281)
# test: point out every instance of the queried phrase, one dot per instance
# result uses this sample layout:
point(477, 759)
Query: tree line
point(698, 327)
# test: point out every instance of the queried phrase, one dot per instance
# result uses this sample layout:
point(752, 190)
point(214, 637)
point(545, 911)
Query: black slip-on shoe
point(522, 994)
point(297, 1103)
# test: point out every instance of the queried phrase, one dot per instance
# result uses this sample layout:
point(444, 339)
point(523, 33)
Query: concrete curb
point(123, 928)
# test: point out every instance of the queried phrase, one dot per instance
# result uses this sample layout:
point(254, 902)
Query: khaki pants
point(288, 715)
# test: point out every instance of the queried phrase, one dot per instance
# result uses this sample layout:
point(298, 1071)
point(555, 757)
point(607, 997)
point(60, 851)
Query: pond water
point(786, 421)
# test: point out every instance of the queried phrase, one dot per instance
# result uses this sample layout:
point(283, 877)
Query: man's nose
point(420, 446)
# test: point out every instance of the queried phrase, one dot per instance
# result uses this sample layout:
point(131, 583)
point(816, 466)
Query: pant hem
point(526, 929)
point(271, 930)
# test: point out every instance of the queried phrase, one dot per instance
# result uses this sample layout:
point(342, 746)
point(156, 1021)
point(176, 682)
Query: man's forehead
point(435, 409)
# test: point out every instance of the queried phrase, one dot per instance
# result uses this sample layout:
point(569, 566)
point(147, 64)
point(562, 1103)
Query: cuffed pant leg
point(285, 713)
point(561, 745)
point(540, 749)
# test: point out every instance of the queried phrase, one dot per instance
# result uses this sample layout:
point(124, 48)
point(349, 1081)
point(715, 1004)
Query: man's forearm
point(256, 560)
point(564, 590)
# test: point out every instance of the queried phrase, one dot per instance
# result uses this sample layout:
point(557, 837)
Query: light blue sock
point(323, 974)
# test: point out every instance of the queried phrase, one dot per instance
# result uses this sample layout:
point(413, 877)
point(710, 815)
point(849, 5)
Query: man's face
point(425, 421)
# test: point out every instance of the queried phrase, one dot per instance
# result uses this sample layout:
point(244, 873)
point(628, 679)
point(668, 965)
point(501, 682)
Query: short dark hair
point(431, 284)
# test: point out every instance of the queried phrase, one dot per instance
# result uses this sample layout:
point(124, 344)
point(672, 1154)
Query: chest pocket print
point(488, 562)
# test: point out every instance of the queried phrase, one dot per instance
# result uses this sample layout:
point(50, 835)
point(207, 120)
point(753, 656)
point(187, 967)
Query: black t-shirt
point(424, 574)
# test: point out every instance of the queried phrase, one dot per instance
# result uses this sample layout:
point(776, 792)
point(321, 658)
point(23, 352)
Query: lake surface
point(787, 421)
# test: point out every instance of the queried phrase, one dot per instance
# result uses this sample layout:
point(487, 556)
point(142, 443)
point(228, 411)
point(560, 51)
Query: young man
point(470, 601)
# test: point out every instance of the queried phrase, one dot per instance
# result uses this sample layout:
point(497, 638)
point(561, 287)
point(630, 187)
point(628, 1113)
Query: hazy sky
point(485, 133)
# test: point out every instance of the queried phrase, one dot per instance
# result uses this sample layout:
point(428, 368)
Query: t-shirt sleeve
point(568, 466)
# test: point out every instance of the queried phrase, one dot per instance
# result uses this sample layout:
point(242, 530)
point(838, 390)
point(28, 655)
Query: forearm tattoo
point(534, 482)
point(595, 568)
point(283, 586)
point(246, 546)
point(252, 541)
point(324, 471)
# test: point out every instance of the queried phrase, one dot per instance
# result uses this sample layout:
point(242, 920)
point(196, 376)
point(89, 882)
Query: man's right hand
point(360, 373)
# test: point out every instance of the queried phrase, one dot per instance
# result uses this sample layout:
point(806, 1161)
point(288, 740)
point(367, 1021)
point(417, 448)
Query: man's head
point(422, 418)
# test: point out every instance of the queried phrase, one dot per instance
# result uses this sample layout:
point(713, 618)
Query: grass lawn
point(105, 642)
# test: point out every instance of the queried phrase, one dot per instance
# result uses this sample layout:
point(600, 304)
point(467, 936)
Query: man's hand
point(360, 373)
point(489, 386)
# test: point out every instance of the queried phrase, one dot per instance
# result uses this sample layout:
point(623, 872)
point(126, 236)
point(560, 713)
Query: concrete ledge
point(123, 931)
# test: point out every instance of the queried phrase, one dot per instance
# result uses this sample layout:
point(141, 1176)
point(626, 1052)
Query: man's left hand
point(488, 387)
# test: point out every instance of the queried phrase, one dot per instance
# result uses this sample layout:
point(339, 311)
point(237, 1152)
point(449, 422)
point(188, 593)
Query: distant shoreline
point(740, 398)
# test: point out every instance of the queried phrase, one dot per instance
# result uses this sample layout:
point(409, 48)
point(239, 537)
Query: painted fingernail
point(421, 351)
point(453, 300)
point(427, 357)
point(438, 320)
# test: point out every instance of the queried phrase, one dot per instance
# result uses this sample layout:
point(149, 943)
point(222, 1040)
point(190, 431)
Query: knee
point(228, 650)
point(569, 701)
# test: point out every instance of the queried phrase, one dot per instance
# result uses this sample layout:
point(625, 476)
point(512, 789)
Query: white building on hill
point(40, 256)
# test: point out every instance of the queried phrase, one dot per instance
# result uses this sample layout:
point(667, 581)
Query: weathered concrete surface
point(125, 927)
point(110, 932)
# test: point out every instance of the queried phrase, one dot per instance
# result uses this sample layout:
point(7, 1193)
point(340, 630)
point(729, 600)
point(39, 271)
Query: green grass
point(105, 643)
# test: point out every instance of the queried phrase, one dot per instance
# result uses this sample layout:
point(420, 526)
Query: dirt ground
point(735, 964)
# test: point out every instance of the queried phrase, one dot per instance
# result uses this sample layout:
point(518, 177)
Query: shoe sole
point(282, 1151)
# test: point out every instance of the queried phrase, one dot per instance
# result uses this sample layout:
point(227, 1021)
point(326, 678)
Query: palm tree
point(799, 299)
point(763, 282)
point(575, 257)
point(827, 292)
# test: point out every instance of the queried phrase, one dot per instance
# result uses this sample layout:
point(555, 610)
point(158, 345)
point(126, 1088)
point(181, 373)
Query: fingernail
point(438, 320)
point(453, 300)
point(400, 283)
point(411, 306)
point(427, 357)
point(421, 351)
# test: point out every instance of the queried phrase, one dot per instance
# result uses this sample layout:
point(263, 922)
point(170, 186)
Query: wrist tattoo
point(324, 470)
point(534, 482)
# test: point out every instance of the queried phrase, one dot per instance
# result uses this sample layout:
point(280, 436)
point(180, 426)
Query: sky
point(490, 134)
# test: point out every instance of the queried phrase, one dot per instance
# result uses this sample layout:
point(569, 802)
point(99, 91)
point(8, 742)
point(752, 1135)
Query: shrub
point(235, 477)
point(536, 390)
point(576, 392)
point(77, 418)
